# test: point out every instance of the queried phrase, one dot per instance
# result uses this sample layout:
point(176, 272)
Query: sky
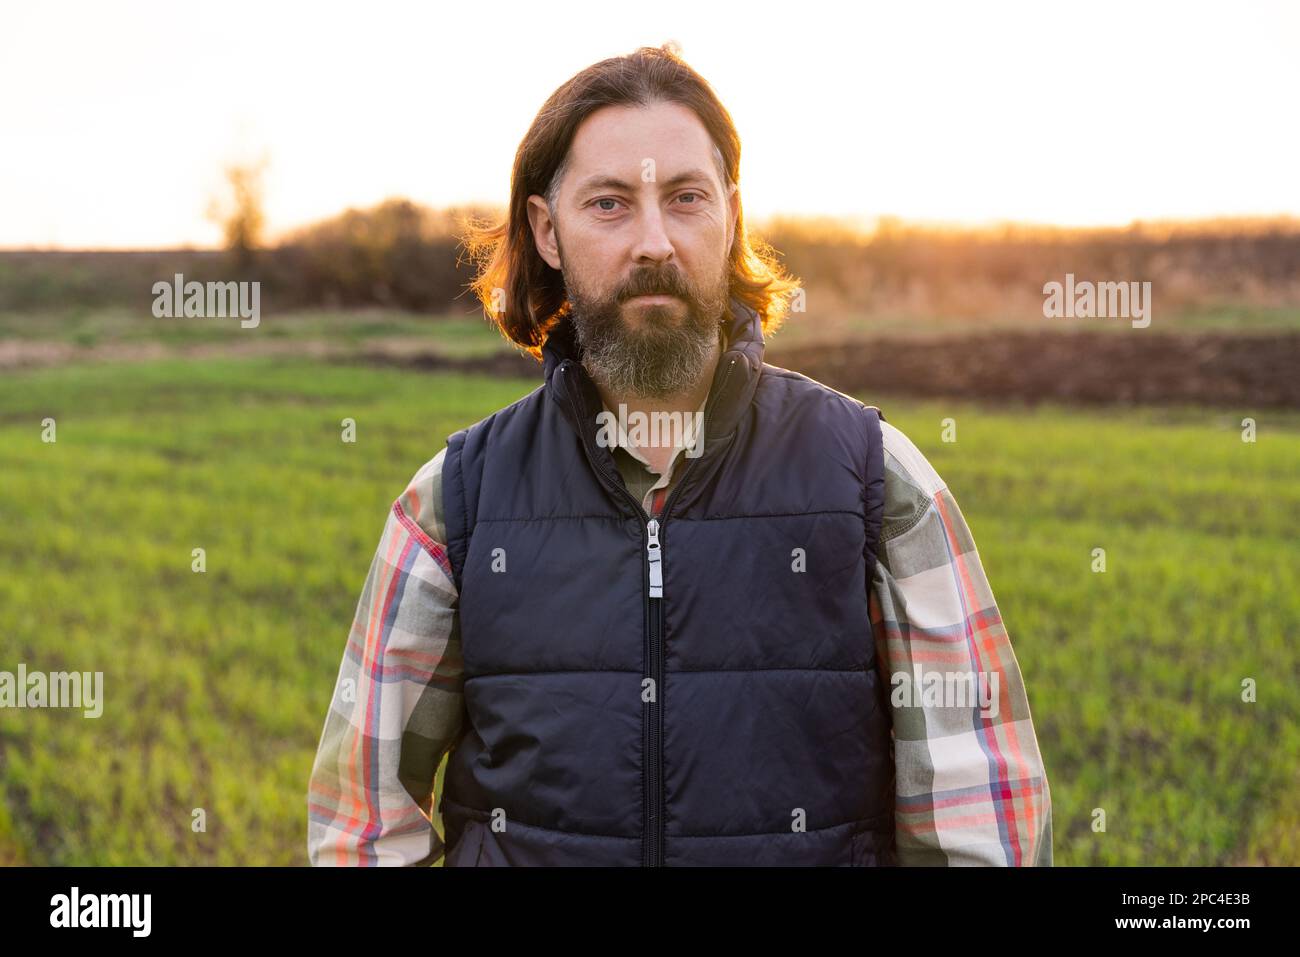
point(117, 118)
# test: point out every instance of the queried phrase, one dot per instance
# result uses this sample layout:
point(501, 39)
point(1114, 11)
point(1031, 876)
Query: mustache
point(665, 284)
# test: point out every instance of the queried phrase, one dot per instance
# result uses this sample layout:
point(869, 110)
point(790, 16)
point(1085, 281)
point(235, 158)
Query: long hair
point(519, 290)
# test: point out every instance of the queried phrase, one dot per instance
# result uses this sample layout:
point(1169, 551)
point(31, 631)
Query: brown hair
point(509, 266)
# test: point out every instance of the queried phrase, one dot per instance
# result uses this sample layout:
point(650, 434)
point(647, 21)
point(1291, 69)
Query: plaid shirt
point(970, 784)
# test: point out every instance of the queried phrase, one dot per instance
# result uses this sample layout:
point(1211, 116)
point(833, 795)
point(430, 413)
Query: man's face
point(642, 230)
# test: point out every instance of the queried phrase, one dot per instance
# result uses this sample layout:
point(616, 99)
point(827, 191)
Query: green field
point(453, 334)
point(216, 684)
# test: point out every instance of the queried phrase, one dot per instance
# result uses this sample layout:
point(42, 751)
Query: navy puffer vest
point(713, 701)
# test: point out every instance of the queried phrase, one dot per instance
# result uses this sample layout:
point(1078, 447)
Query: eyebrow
point(613, 182)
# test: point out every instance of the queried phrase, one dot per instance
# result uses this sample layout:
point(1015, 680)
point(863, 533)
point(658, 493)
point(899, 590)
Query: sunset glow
point(117, 118)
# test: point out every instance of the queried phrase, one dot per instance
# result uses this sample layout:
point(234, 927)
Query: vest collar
point(734, 379)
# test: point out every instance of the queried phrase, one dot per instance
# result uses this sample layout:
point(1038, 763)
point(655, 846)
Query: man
point(710, 649)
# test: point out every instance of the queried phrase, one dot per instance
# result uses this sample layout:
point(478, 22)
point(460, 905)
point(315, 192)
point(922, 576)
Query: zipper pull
point(655, 555)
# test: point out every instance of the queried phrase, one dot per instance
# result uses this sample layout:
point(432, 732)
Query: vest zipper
point(654, 747)
point(653, 844)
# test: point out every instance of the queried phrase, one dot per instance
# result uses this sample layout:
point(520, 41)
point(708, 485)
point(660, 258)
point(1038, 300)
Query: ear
point(543, 227)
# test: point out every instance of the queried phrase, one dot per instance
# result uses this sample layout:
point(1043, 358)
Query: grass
point(84, 327)
point(216, 684)
point(833, 328)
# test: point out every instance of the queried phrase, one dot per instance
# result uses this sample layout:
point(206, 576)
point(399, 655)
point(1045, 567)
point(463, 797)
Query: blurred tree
point(239, 211)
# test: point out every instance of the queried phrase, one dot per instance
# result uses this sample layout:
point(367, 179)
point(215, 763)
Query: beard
point(660, 355)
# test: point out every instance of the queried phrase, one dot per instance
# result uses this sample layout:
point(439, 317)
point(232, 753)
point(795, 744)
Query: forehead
point(617, 140)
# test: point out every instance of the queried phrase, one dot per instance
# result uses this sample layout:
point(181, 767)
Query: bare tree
point(239, 210)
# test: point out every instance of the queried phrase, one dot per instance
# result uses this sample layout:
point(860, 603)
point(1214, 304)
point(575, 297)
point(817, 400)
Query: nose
point(652, 242)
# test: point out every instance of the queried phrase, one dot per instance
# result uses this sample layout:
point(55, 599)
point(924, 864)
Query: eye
point(698, 196)
point(606, 200)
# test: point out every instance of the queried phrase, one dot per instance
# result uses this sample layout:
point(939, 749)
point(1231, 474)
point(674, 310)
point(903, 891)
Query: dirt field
point(1212, 369)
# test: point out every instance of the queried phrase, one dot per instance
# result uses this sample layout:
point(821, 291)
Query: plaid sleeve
point(971, 788)
point(398, 703)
